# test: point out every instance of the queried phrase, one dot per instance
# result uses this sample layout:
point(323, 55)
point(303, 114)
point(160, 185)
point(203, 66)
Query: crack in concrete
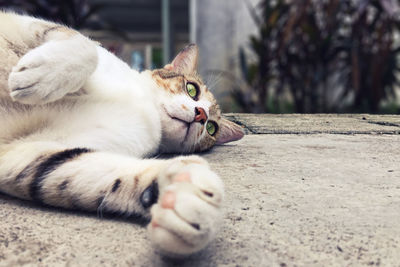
point(233, 119)
point(384, 123)
point(328, 132)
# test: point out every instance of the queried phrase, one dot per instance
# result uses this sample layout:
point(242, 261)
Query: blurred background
point(274, 56)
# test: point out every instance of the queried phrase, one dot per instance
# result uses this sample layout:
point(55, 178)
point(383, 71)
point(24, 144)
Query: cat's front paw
point(46, 73)
point(188, 212)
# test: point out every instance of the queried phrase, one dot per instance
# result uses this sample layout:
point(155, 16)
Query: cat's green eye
point(211, 128)
point(192, 90)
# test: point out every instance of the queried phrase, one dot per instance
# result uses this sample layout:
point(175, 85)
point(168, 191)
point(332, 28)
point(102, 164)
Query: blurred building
point(144, 33)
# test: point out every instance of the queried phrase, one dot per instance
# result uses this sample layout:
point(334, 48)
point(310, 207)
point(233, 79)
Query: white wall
point(221, 27)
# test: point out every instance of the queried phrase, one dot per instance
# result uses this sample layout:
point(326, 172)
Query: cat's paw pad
point(43, 76)
point(187, 214)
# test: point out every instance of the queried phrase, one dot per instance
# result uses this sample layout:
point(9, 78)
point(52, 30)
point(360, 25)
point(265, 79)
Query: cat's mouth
point(187, 126)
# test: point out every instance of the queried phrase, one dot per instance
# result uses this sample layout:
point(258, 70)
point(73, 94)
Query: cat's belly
point(133, 129)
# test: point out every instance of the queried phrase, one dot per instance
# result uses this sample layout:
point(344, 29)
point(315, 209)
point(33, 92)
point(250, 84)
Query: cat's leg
point(59, 66)
point(186, 193)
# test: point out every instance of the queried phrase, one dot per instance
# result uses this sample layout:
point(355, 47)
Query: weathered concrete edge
point(345, 124)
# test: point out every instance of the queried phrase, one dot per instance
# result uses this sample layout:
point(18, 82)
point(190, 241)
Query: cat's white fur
point(70, 92)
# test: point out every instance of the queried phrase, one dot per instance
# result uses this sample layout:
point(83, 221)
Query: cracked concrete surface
point(318, 123)
point(302, 190)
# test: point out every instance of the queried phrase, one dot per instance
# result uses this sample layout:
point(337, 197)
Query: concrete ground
point(301, 190)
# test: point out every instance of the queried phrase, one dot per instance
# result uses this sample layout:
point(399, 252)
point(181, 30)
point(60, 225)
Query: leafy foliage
point(327, 55)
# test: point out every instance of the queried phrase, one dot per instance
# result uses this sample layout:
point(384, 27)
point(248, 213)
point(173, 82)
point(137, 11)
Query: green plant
point(372, 55)
point(326, 55)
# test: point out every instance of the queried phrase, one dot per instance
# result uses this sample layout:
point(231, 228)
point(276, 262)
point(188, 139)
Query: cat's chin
point(179, 136)
point(176, 134)
point(173, 136)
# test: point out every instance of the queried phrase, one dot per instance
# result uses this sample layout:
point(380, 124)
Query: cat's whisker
point(196, 139)
point(213, 79)
point(156, 156)
point(100, 208)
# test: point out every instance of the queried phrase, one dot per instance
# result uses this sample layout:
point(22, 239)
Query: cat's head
point(190, 116)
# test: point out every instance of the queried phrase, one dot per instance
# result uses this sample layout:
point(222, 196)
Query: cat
point(80, 130)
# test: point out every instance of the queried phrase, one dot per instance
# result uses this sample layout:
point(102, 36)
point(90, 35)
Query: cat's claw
point(187, 214)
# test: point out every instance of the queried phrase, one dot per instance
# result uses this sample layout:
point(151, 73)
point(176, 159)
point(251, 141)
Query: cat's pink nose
point(182, 177)
point(168, 200)
point(201, 115)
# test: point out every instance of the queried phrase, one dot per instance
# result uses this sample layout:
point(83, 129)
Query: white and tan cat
point(78, 129)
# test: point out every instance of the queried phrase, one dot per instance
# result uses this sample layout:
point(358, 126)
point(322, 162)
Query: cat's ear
point(185, 61)
point(229, 131)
